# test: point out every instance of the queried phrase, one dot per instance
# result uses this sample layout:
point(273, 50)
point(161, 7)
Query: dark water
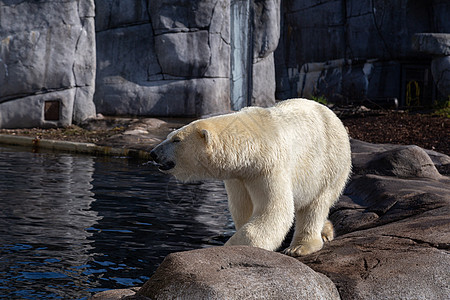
point(74, 225)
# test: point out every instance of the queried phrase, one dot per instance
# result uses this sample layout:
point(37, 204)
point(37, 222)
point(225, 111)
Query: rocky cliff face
point(355, 50)
point(159, 58)
point(163, 58)
point(194, 58)
point(47, 62)
point(174, 58)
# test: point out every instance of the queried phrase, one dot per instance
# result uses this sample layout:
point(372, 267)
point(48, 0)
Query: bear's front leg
point(272, 217)
point(239, 202)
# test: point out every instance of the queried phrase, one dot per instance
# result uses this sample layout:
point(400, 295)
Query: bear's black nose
point(153, 155)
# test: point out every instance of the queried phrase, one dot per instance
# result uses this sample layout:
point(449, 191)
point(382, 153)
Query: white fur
point(280, 163)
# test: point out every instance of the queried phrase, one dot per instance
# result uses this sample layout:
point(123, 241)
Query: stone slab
point(185, 54)
point(183, 98)
point(432, 43)
point(181, 15)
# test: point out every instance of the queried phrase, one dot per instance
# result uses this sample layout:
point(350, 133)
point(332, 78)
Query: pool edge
point(73, 147)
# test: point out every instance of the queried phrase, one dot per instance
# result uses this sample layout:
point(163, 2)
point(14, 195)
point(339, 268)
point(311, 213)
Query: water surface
point(73, 225)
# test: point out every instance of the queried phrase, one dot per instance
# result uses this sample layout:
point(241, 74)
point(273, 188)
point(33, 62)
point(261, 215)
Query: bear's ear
point(206, 135)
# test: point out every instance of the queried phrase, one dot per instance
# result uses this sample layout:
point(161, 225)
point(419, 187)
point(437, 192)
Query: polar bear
point(287, 162)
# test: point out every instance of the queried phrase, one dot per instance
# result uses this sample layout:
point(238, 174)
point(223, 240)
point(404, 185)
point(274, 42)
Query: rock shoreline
point(393, 242)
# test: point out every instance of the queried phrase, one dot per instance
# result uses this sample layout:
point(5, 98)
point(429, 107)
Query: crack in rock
point(438, 246)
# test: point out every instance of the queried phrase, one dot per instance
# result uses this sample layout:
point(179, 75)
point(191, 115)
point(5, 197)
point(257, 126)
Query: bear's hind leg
point(308, 233)
point(312, 227)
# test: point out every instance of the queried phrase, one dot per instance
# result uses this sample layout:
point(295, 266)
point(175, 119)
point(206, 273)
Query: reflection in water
point(45, 206)
point(73, 225)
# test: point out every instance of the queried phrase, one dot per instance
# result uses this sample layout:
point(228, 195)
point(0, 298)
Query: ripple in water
point(74, 225)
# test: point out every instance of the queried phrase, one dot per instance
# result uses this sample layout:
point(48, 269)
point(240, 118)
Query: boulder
point(407, 259)
point(265, 35)
point(135, 46)
point(120, 13)
point(183, 54)
point(181, 16)
point(263, 82)
point(159, 58)
point(236, 272)
point(364, 153)
point(182, 98)
point(403, 162)
point(173, 58)
point(266, 28)
point(28, 112)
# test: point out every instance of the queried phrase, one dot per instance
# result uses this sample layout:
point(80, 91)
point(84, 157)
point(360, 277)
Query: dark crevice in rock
point(377, 223)
point(181, 30)
point(123, 26)
point(153, 37)
point(244, 265)
point(40, 92)
point(378, 29)
point(308, 7)
point(439, 246)
point(224, 40)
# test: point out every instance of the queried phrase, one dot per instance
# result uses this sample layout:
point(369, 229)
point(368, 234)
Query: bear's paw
point(304, 248)
point(327, 231)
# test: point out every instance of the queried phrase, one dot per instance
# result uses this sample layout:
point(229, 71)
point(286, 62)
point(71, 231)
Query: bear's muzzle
point(162, 162)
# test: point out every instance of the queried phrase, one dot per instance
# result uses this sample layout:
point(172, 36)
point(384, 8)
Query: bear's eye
point(176, 140)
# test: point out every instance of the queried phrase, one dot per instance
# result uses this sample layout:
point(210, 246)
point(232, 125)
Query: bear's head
point(186, 153)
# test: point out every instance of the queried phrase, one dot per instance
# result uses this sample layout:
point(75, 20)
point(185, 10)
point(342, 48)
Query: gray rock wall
point(266, 34)
point(162, 58)
point(47, 62)
point(356, 50)
point(172, 58)
point(158, 58)
point(177, 57)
